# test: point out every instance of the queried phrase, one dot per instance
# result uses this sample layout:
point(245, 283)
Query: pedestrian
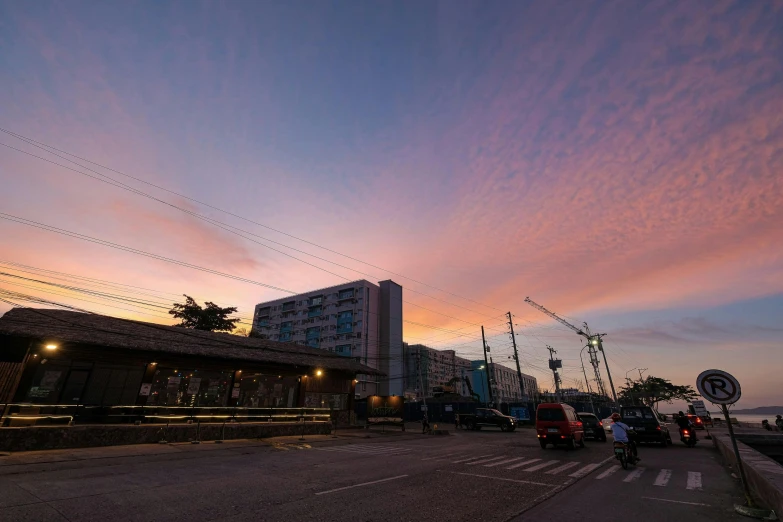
point(425, 425)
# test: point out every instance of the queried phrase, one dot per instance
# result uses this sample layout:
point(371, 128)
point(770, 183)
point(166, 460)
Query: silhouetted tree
point(653, 390)
point(211, 318)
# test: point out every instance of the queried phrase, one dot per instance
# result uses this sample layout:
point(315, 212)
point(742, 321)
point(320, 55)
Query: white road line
point(447, 455)
point(509, 461)
point(663, 477)
point(564, 467)
point(586, 470)
point(515, 466)
point(677, 501)
point(479, 457)
point(634, 475)
point(362, 484)
point(608, 472)
point(501, 478)
point(542, 465)
point(484, 461)
point(694, 480)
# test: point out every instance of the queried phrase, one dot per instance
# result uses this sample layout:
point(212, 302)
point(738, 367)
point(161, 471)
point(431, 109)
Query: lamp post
point(486, 379)
point(628, 382)
point(587, 383)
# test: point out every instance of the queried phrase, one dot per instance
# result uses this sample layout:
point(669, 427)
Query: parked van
point(559, 424)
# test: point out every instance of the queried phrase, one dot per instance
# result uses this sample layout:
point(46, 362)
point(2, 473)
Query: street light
point(587, 383)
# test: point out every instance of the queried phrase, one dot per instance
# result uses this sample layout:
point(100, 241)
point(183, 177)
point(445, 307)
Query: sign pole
point(744, 480)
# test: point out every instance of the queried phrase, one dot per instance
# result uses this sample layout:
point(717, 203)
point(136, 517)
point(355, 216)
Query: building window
point(315, 301)
point(284, 336)
point(286, 327)
point(343, 349)
point(313, 337)
point(345, 321)
point(289, 306)
point(345, 294)
point(315, 311)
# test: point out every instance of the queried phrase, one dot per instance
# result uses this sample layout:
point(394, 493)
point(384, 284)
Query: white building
point(504, 383)
point(357, 319)
point(439, 368)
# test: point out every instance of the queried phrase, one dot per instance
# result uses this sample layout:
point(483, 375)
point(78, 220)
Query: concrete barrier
point(62, 437)
point(765, 476)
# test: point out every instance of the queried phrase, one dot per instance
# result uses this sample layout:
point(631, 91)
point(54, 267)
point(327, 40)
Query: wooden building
point(63, 357)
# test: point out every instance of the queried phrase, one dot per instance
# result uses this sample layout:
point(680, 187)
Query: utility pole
point(587, 383)
point(486, 364)
point(421, 384)
point(554, 364)
point(516, 358)
point(597, 341)
point(629, 383)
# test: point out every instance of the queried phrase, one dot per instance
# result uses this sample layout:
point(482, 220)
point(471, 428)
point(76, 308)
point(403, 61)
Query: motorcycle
point(622, 452)
point(688, 437)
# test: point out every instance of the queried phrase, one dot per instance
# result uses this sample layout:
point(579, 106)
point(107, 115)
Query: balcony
point(345, 295)
point(315, 311)
point(345, 328)
point(284, 336)
point(287, 307)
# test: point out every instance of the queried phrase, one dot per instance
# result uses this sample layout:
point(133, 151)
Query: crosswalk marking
point(515, 466)
point(509, 461)
point(567, 465)
point(542, 465)
point(475, 457)
point(585, 470)
point(663, 477)
point(634, 475)
point(608, 472)
point(484, 461)
point(694, 480)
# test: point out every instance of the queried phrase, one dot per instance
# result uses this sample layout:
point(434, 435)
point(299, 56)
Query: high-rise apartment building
point(438, 368)
point(357, 319)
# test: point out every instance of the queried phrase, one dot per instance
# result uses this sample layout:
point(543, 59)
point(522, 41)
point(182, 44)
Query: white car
point(607, 422)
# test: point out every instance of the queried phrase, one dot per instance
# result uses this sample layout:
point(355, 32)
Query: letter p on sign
point(718, 387)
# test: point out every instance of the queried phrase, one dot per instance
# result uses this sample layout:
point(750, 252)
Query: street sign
point(718, 387)
point(722, 388)
point(699, 408)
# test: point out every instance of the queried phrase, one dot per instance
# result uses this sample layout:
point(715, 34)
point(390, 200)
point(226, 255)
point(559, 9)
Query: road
point(675, 483)
point(485, 475)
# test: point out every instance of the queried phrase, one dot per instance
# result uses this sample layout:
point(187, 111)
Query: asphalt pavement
point(486, 475)
point(673, 483)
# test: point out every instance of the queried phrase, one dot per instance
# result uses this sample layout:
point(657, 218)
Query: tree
point(653, 390)
point(211, 318)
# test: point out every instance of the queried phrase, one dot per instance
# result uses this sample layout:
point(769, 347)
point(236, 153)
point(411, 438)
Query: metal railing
point(26, 414)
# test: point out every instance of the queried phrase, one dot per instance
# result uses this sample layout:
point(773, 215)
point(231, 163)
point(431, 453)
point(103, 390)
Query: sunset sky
point(619, 163)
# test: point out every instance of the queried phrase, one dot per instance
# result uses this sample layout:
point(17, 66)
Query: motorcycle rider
point(685, 424)
point(779, 422)
point(622, 433)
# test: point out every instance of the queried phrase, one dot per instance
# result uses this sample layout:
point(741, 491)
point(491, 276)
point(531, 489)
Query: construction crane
point(594, 342)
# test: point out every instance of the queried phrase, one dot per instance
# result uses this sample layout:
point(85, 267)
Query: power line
point(46, 147)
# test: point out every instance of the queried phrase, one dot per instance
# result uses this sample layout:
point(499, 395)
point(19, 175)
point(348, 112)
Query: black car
point(487, 417)
point(594, 430)
point(647, 424)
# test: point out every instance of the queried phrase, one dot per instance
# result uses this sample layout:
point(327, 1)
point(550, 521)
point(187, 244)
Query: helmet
point(615, 417)
point(681, 413)
point(779, 416)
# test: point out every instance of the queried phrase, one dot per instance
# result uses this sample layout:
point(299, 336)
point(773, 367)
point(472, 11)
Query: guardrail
point(26, 414)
